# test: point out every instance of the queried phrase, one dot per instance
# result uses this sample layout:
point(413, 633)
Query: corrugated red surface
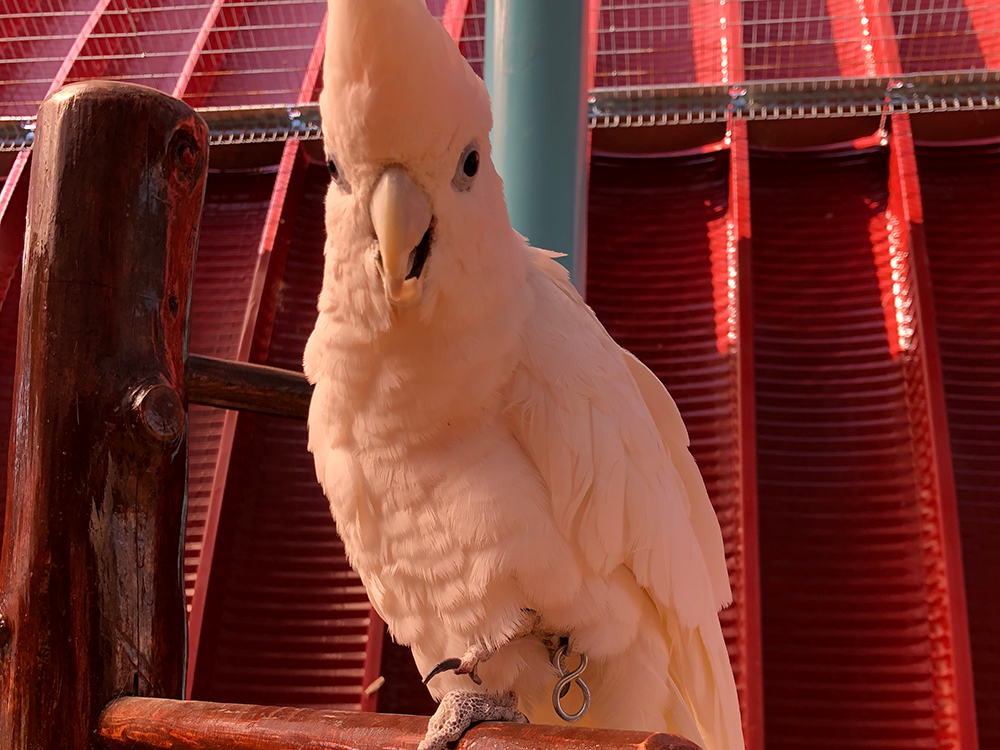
point(656, 229)
point(961, 190)
point(286, 618)
point(233, 219)
point(846, 641)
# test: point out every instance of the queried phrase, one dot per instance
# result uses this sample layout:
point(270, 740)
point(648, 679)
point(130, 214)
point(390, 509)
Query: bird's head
point(415, 207)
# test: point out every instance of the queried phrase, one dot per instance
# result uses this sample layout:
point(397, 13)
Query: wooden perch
point(92, 596)
point(247, 387)
point(154, 724)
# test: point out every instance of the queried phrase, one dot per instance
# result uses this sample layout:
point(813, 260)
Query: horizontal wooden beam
point(160, 724)
point(247, 387)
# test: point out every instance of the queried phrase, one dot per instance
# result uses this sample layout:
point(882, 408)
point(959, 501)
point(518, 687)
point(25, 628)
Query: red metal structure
point(819, 293)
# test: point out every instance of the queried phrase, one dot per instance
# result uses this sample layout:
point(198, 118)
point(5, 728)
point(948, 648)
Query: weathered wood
point(92, 593)
point(247, 387)
point(153, 724)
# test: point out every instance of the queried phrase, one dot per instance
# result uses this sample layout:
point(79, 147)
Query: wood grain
point(153, 724)
point(247, 387)
point(92, 595)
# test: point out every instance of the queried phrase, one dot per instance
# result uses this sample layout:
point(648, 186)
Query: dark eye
point(471, 164)
point(468, 168)
point(337, 175)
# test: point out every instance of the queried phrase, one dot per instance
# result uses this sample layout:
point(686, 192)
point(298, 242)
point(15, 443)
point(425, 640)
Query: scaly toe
point(459, 710)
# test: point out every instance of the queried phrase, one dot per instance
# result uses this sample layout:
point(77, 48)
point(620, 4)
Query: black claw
point(448, 665)
point(564, 691)
point(474, 675)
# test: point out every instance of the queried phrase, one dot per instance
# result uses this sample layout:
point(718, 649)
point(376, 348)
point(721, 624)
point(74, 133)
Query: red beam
point(196, 48)
point(951, 655)
point(854, 32)
point(453, 18)
point(13, 208)
point(750, 683)
point(708, 39)
point(374, 643)
point(750, 680)
point(985, 17)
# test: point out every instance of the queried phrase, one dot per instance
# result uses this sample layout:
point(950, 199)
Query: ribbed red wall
point(845, 625)
point(961, 193)
point(656, 228)
point(235, 209)
point(286, 618)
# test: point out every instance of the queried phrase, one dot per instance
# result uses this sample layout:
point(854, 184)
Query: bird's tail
point(701, 671)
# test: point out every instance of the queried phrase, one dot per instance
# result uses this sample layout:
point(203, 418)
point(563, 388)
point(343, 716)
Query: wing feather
point(610, 444)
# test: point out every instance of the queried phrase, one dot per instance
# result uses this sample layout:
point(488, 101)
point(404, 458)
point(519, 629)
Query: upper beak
point(401, 215)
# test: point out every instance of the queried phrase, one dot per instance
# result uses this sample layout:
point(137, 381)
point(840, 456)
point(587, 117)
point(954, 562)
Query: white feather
point(492, 449)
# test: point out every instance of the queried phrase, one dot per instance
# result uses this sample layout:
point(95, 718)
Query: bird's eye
point(471, 164)
point(336, 174)
point(468, 168)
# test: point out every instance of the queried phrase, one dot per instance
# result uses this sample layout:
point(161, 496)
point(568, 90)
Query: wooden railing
point(92, 610)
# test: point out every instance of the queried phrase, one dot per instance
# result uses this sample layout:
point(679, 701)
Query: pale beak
point(401, 215)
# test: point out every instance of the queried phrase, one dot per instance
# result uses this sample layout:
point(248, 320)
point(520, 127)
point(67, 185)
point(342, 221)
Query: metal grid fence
point(655, 61)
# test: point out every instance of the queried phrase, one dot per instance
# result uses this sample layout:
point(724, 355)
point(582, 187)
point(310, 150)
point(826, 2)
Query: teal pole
point(536, 72)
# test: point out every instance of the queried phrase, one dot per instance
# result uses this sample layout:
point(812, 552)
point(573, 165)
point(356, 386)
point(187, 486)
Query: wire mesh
point(654, 60)
point(35, 37)
point(644, 43)
point(256, 53)
point(142, 41)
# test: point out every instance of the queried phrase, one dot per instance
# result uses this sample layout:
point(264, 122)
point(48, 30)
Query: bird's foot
point(480, 652)
point(459, 710)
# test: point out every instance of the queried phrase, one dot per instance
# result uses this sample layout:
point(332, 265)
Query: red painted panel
point(961, 188)
point(657, 228)
point(846, 638)
point(233, 219)
point(286, 617)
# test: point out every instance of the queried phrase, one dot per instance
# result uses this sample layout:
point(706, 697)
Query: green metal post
point(536, 72)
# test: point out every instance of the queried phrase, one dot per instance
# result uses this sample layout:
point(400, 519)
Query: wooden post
point(91, 593)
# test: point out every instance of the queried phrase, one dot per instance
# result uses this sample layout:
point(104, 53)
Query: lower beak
point(401, 214)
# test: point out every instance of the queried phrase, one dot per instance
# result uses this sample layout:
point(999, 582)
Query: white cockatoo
point(506, 479)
